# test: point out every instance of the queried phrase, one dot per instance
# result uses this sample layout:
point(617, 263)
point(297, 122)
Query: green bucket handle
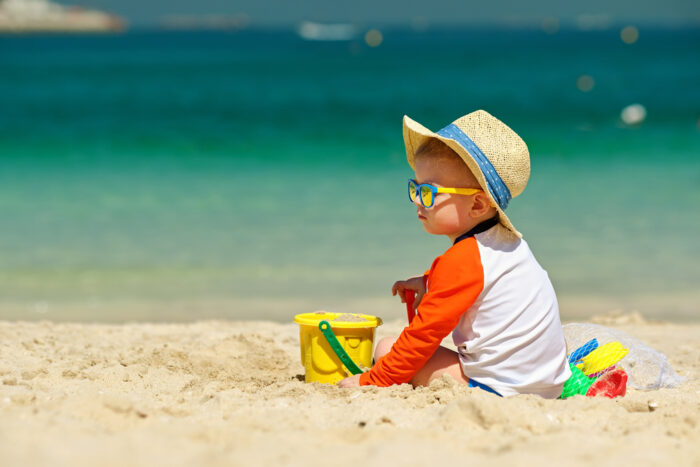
point(327, 332)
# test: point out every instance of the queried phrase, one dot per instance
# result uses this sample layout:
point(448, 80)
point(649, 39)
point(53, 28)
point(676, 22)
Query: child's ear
point(482, 204)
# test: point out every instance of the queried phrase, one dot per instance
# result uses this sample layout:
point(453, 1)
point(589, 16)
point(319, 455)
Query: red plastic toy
point(612, 384)
point(409, 296)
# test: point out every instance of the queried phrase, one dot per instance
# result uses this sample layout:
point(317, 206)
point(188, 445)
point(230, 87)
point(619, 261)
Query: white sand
point(229, 393)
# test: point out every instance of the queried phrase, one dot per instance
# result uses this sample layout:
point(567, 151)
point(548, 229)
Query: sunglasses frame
point(435, 190)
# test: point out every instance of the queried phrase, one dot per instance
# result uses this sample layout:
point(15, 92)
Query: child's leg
point(443, 361)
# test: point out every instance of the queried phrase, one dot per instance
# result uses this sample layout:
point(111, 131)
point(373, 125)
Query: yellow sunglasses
point(427, 192)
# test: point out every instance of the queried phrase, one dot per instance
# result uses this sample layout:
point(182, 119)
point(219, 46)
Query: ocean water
point(254, 175)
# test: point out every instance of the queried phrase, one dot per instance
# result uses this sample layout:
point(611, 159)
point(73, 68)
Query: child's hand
point(350, 382)
point(414, 283)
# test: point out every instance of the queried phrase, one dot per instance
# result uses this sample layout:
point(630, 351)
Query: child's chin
point(430, 230)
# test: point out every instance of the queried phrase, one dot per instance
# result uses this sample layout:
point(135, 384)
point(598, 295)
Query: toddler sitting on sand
point(487, 288)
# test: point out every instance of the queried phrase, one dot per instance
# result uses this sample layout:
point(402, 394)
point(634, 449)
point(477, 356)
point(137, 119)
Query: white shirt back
point(511, 338)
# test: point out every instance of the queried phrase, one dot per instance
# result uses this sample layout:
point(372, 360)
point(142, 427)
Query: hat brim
point(415, 134)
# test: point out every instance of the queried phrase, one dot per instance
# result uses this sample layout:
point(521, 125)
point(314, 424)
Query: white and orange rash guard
point(498, 302)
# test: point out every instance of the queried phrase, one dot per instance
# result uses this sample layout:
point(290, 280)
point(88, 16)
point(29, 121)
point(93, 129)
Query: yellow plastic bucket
point(355, 332)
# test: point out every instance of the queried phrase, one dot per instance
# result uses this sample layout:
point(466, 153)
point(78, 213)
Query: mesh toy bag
point(646, 368)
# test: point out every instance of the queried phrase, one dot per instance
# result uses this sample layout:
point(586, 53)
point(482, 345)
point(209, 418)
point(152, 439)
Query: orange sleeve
point(455, 281)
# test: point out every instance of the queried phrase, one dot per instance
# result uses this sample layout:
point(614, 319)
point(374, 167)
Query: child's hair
point(435, 148)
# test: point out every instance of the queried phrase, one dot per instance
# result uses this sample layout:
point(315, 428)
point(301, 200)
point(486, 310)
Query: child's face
point(451, 214)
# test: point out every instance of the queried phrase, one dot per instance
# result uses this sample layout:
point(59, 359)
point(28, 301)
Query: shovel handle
point(409, 297)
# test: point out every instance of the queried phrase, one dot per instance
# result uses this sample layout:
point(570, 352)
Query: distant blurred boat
point(204, 22)
point(22, 16)
point(311, 31)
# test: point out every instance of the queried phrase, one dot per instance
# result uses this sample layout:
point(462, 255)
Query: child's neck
point(478, 226)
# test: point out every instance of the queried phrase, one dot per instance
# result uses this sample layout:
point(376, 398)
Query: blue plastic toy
point(576, 356)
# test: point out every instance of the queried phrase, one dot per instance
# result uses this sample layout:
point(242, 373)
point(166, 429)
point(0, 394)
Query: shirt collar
point(478, 228)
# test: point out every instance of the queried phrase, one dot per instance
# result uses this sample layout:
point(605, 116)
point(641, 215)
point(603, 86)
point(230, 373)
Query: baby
point(487, 289)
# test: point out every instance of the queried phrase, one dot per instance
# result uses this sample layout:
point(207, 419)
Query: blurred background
point(170, 161)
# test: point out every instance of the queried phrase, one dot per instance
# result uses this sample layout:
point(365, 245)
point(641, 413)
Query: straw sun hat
point(495, 154)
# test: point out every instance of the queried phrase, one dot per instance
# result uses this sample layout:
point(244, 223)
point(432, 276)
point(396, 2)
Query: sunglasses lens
point(426, 196)
point(412, 190)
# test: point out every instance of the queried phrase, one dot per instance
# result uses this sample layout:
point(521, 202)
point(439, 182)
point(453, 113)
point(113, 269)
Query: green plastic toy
point(577, 384)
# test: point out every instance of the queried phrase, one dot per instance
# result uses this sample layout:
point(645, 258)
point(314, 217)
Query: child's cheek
point(447, 219)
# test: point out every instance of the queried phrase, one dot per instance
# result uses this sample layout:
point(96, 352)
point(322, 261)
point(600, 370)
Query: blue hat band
point(496, 186)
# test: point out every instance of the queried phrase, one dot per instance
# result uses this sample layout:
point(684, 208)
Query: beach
point(232, 393)
point(173, 198)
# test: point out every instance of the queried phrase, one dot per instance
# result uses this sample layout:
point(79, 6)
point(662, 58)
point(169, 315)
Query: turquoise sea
point(254, 175)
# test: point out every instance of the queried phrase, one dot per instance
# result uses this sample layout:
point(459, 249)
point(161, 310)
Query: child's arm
point(456, 280)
